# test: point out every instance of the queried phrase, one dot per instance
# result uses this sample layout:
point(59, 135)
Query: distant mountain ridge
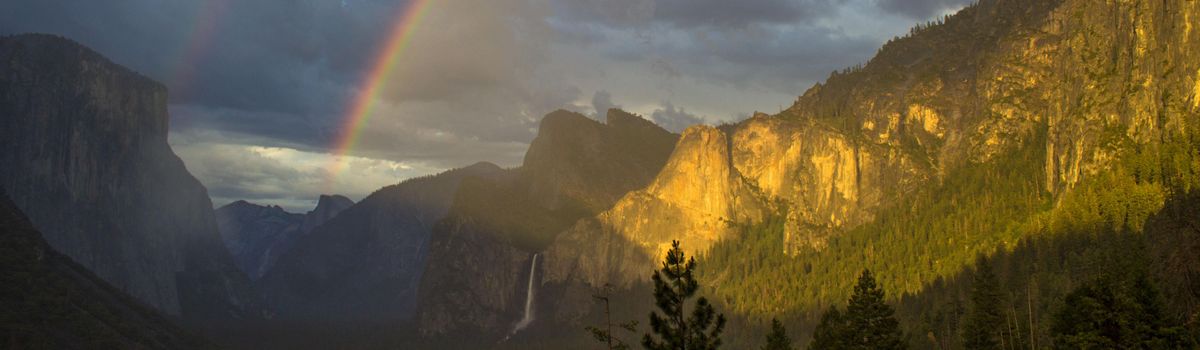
point(363, 264)
point(257, 235)
point(84, 147)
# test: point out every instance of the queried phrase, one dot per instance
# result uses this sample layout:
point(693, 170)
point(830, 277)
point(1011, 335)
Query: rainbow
point(360, 109)
point(204, 28)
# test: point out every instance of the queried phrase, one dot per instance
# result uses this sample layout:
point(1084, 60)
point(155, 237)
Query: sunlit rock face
point(998, 77)
point(824, 180)
point(83, 143)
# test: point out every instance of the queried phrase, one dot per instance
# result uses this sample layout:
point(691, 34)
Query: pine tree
point(986, 320)
point(777, 339)
point(674, 284)
point(1107, 315)
point(830, 334)
point(870, 321)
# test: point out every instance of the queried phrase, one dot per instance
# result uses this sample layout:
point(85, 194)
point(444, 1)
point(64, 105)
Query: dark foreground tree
point(605, 335)
point(777, 339)
point(1107, 315)
point(871, 322)
point(985, 322)
point(674, 284)
point(831, 333)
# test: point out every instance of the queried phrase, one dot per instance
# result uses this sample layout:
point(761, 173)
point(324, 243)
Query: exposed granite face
point(825, 180)
point(996, 77)
point(364, 265)
point(50, 301)
point(257, 235)
point(696, 198)
point(480, 254)
point(84, 147)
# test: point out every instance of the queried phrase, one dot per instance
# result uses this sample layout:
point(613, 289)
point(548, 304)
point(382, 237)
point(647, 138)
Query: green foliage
point(778, 338)
point(1106, 314)
point(674, 284)
point(932, 233)
point(983, 329)
point(1123, 148)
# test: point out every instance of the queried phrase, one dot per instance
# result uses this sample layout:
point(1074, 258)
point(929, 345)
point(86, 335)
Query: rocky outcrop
point(257, 235)
point(328, 206)
point(823, 179)
point(480, 254)
point(696, 198)
point(49, 301)
point(84, 147)
point(574, 158)
point(364, 265)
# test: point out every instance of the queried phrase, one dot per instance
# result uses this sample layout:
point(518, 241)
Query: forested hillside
point(1070, 155)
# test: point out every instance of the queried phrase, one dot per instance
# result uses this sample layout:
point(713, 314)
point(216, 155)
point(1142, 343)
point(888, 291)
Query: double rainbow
point(361, 107)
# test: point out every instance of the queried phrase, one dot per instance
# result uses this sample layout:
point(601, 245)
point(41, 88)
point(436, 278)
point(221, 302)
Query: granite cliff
point(49, 301)
point(84, 147)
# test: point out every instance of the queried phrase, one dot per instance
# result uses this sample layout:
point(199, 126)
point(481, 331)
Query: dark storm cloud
point(691, 13)
point(921, 9)
point(473, 82)
point(286, 69)
point(287, 60)
point(738, 14)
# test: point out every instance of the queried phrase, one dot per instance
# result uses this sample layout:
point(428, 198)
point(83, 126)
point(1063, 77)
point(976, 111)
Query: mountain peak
point(328, 206)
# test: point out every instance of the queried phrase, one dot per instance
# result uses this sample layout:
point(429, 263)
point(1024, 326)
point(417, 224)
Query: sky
point(261, 92)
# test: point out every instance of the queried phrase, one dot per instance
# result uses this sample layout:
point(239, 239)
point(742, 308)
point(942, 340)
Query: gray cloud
point(922, 9)
point(688, 14)
point(473, 81)
point(601, 103)
point(674, 120)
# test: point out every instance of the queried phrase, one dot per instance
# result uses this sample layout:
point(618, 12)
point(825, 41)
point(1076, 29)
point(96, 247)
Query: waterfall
point(528, 318)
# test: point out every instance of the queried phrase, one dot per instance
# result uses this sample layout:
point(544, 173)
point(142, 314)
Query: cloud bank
point(259, 89)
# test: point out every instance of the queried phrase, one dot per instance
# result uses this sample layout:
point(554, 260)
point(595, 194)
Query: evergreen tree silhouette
point(986, 320)
point(777, 339)
point(674, 284)
point(870, 322)
point(831, 333)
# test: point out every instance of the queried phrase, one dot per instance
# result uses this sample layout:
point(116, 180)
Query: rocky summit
point(257, 235)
